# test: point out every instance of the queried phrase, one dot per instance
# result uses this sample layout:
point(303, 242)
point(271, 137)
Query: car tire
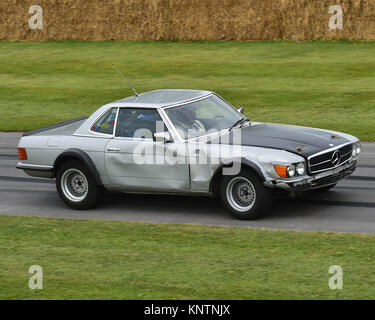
point(76, 185)
point(245, 196)
point(325, 189)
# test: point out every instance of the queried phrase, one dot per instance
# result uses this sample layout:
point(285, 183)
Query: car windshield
point(203, 117)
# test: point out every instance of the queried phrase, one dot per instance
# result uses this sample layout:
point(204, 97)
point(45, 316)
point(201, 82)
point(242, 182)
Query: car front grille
point(329, 179)
point(323, 162)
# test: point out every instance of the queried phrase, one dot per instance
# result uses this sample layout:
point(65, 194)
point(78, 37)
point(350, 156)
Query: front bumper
point(316, 181)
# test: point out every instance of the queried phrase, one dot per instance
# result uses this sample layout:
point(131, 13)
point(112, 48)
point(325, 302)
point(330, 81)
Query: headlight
point(291, 171)
point(301, 169)
point(358, 147)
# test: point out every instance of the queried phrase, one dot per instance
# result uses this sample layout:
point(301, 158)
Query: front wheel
point(77, 186)
point(245, 195)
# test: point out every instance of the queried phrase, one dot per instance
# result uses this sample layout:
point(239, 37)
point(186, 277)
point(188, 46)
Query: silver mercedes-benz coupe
point(185, 142)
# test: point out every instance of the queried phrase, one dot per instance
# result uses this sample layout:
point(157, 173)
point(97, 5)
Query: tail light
point(22, 153)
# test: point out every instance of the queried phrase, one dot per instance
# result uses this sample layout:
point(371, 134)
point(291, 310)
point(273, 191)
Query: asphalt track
point(349, 207)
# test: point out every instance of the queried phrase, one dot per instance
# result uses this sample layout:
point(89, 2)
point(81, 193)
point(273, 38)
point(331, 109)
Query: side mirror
point(240, 110)
point(162, 137)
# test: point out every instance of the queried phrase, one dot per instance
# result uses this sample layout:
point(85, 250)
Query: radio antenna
point(126, 79)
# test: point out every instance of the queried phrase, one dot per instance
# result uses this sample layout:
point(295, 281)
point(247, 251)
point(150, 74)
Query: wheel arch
point(218, 175)
point(77, 154)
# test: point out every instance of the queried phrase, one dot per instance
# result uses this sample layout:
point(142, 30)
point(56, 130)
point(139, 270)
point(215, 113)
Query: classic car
point(188, 142)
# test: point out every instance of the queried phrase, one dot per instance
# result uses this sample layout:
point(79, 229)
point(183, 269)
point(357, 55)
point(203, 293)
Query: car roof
point(152, 99)
point(162, 98)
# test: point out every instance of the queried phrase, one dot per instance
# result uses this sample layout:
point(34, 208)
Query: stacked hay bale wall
point(187, 20)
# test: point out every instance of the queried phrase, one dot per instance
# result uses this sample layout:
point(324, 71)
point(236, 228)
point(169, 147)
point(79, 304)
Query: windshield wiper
point(247, 120)
point(238, 122)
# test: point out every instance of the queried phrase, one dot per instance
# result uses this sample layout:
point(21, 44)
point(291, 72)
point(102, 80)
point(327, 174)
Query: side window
point(106, 123)
point(138, 123)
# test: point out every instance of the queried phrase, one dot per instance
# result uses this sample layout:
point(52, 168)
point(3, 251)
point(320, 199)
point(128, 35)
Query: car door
point(135, 162)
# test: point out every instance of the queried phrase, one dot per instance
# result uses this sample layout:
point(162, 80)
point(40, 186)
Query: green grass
point(320, 84)
point(84, 259)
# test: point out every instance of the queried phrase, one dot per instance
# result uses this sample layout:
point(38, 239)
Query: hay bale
point(186, 20)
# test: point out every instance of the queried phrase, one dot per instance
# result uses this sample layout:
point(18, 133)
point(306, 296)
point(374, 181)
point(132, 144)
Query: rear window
point(106, 123)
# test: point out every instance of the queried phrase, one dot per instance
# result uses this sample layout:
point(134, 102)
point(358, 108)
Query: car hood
point(284, 137)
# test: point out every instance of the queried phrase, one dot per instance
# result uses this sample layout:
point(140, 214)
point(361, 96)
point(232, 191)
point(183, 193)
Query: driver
point(186, 121)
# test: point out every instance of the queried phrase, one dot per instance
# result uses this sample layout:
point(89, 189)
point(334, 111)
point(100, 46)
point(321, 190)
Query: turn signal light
point(22, 153)
point(282, 171)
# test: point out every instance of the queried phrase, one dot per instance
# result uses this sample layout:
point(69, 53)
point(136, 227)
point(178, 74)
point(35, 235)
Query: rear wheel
point(245, 195)
point(77, 186)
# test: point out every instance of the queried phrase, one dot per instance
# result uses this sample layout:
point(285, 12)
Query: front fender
point(254, 164)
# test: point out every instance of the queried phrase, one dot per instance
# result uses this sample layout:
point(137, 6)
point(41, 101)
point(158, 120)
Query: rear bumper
point(316, 181)
point(39, 171)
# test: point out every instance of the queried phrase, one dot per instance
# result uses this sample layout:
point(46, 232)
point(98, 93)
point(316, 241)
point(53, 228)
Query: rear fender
point(79, 155)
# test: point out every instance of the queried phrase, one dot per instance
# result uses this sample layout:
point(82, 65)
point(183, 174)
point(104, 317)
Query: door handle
point(113, 149)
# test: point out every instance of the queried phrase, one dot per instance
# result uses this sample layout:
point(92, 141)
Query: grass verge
point(320, 84)
point(91, 259)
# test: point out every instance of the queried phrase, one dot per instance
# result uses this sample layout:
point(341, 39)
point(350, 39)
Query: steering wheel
point(219, 117)
point(198, 126)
